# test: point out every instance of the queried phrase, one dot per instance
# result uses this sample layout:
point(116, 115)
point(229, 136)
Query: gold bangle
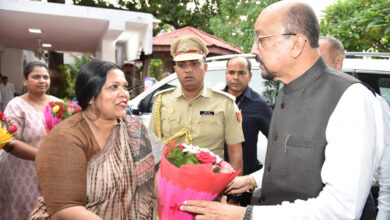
point(254, 185)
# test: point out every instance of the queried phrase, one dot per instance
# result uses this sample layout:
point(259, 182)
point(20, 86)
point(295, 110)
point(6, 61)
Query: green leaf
point(358, 24)
point(178, 158)
point(371, 24)
point(387, 30)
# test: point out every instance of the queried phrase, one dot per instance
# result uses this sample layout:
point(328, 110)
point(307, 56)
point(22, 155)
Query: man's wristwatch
point(248, 213)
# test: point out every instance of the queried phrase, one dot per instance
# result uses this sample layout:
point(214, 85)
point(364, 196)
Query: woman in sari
point(99, 163)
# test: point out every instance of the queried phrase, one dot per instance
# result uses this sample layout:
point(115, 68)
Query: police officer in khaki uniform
point(193, 113)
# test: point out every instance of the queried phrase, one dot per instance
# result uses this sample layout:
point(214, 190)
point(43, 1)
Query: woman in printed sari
point(99, 163)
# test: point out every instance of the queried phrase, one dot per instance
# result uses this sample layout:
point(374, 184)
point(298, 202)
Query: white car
point(372, 69)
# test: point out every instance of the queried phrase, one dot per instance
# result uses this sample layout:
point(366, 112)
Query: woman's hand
point(21, 149)
point(239, 184)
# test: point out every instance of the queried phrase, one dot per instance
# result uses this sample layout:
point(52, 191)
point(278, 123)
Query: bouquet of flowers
point(57, 111)
point(7, 130)
point(188, 172)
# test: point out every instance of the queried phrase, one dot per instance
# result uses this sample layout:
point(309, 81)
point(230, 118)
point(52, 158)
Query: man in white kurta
point(332, 51)
point(286, 45)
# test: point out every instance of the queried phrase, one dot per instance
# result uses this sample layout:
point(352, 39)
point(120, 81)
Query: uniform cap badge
point(185, 48)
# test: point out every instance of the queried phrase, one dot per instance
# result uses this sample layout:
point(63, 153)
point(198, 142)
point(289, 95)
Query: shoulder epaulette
point(225, 94)
point(164, 91)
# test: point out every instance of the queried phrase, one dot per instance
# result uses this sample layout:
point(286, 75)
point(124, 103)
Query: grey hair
point(334, 45)
point(301, 19)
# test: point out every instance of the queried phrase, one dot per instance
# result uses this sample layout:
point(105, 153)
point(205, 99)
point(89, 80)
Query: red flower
point(206, 157)
point(1, 115)
point(171, 144)
point(60, 115)
point(51, 104)
point(12, 129)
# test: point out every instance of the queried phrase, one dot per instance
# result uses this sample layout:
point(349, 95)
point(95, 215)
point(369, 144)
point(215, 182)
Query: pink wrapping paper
point(50, 120)
point(189, 182)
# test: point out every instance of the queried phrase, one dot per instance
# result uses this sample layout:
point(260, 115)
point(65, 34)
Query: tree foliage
point(271, 90)
point(236, 20)
point(359, 24)
point(64, 78)
point(230, 20)
point(156, 67)
point(95, 3)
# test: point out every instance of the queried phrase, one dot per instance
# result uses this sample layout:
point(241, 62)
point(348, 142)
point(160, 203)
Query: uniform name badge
point(206, 113)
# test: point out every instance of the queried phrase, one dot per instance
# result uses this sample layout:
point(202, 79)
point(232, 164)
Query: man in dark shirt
point(256, 113)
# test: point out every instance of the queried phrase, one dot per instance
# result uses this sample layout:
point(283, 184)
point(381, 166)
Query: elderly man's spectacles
point(258, 39)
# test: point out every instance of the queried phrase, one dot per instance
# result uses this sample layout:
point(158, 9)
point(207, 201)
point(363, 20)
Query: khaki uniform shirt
point(211, 117)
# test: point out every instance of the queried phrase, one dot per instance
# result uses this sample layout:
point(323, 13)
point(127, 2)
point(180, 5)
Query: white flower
point(191, 148)
point(244, 18)
point(196, 149)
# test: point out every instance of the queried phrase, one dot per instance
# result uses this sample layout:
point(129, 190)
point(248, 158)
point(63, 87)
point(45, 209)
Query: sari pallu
point(120, 179)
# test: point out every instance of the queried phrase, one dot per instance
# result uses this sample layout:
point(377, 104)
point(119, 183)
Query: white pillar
point(108, 50)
